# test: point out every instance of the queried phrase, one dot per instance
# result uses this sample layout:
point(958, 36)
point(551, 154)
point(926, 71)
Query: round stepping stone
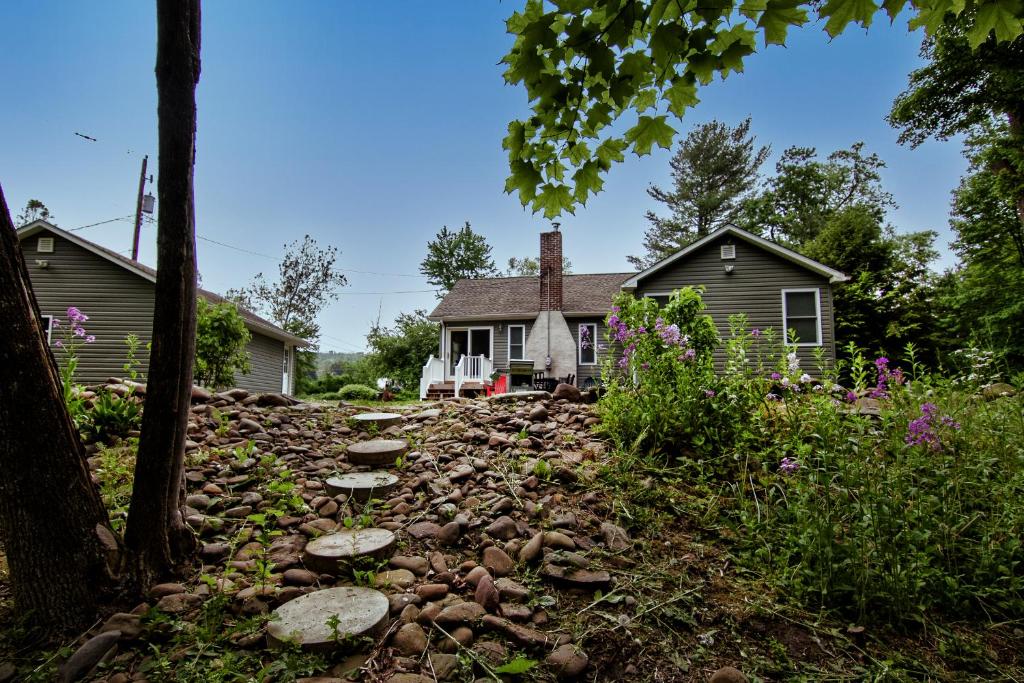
point(304, 620)
point(362, 486)
point(331, 553)
point(377, 452)
point(382, 420)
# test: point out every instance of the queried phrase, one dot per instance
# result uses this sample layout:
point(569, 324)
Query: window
point(588, 344)
point(48, 327)
point(801, 312)
point(517, 342)
point(661, 297)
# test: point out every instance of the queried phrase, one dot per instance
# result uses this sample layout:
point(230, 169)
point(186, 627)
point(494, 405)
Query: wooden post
point(138, 210)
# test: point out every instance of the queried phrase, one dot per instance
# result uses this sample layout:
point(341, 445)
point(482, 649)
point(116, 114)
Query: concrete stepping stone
point(332, 553)
point(381, 420)
point(377, 452)
point(304, 620)
point(362, 486)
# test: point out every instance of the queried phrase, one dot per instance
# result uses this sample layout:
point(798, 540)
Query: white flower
point(805, 378)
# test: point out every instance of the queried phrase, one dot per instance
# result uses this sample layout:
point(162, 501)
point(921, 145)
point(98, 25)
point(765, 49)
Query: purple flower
point(645, 366)
point(789, 465)
point(90, 339)
point(76, 316)
point(690, 354)
point(79, 331)
point(776, 376)
point(55, 324)
point(950, 422)
point(851, 397)
point(709, 393)
point(59, 344)
point(773, 397)
point(922, 431)
point(755, 332)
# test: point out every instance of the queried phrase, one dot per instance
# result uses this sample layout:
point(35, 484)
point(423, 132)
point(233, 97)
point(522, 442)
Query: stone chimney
point(551, 271)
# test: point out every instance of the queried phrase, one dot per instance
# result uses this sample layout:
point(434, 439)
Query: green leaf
point(578, 153)
point(778, 17)
point(841, 13)
point(752, 9)
point(682, 95)
point(893, 7)
point(650, 131)
point(588, 181)
point(610, 151)
point(994, 16)
point(519, 665)
point(524, 179)
point(553, 200)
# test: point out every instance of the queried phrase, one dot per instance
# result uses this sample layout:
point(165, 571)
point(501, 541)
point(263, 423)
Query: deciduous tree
point(714, 170)
point(529, 266)
point(399, 352)
point(454, 255)
point(34, 210)
point(221, 338)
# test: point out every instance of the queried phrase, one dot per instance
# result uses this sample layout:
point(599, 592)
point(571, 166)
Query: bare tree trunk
point(53, 524)
point(157, 538)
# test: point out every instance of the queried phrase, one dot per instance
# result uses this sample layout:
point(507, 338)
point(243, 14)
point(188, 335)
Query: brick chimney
point(551, 271)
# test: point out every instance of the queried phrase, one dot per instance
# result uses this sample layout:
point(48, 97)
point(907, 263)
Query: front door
point(475, 341)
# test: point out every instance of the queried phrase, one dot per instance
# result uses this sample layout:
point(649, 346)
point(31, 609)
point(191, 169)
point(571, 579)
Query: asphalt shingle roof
point(509, 296)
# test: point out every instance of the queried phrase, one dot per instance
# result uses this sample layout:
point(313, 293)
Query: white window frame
point(48, 321)
point(651, 295)
point(817, 312)
point(469, 329)
point(579, 343)
point(523, 328)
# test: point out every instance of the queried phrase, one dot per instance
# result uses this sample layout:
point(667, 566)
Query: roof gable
point(821, 269)
point(252, 321)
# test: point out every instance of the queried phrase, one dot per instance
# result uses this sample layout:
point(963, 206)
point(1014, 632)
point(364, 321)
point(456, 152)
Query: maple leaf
point(650, 131)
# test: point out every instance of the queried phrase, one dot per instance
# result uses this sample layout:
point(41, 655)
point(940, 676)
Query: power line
point(93, 225)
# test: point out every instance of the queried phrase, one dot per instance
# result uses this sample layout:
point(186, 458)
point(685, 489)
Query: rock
point(510, 590)
point(538, 414)
point(247, 426)
point(129, 625)
point(474, 575)
point(417, 565)
point(432, 591)
point(575, 577)
point(532, 550)
point(329, 554)
point(491, 652)
point(7, 672)
point(377, 452)
point(362, 486)
point(567, 661)
point(278, 400)
point(460, 613)
point(444, 666)
point(200, 395)
point(424, 530)
point(728, 674)
point(498, 561)
point(233, 395)
point(566, 391)
point(411, 640)
point(512, 397)
point(397, 578)
point(449, 533)
point(868, 406)
point(178, 603)
point(87, 656)
point(359, 611)
point(161, 589)
point(503, 527)
point(997, 390)
point(486, 595)
point(300, 577)
point(523, 635)
point(615, 537)
point(558, 541)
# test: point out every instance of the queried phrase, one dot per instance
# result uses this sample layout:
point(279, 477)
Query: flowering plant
point(73, 336)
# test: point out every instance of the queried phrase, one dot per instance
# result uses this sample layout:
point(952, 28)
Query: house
point(495, 325)
point(117, 294)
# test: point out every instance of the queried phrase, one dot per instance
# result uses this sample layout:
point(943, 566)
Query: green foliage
point(221, 337)
point(399, 353)
point(530, 266)
point(454, 255)
point(115, 474)
point(518, 665)
point(590, 66)
point(132, 363)
point(713, 171)
point(357, 392)
point(110, 416)
point(34, 210)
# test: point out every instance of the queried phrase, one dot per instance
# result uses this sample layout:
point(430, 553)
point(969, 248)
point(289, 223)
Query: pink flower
point(755, 332)
point(90, 339)
point(59, 344)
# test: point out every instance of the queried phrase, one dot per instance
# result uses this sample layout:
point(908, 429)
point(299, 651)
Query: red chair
point(500, 386)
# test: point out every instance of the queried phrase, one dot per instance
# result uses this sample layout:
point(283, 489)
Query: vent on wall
point(45, 245)
point(728, 251)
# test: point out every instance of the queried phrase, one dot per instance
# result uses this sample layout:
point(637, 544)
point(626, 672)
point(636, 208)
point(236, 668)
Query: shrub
point(110, 416)
point(221, 337)
point(357, 392)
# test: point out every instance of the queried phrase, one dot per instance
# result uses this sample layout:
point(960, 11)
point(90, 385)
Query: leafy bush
point(221, 337)
point(357, 392)
point(110, 416)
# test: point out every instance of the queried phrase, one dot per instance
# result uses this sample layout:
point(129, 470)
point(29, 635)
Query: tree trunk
point(157, 538)
point(53, 525)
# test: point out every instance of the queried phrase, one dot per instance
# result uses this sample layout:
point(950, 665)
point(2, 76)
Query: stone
point(129, 625)
point(486, 595)
point(558, 541)
point(300, 577)
point(161, 589)
point(523, 635)
point(397, 578)
point(728, 674)
point(615, 537)
point(417, 565)
point(567, 662)
point(247, 426)
point(444, 666)
point(362, 486)
point(498, 561)
point(510, 590)
point(410, 640)
point(449, 533)
point(377, 452)
point(359, 611)
point(532, 550)
point(474, 575)
point(566, 391)
point(88, 656)
point(424, 530)
point(460, 613)
point(380, 420)
point(432, 591)
point(178, 603)
point(512, 397)
point(503, 527)
point(997, 390)
point(538, 414)
point(576, 577)
point(329, 554)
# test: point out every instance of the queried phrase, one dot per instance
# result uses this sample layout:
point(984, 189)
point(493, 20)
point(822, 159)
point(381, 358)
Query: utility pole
point(138, 210)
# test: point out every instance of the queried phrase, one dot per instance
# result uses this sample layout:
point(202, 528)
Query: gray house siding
point(266, 359)
point(501, 340)
point(117, 302)
point(753, 288)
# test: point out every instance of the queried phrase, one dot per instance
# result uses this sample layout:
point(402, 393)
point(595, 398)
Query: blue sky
point(371, 125)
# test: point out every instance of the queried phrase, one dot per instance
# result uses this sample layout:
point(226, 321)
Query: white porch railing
point(433, 371)
point(472, 369)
